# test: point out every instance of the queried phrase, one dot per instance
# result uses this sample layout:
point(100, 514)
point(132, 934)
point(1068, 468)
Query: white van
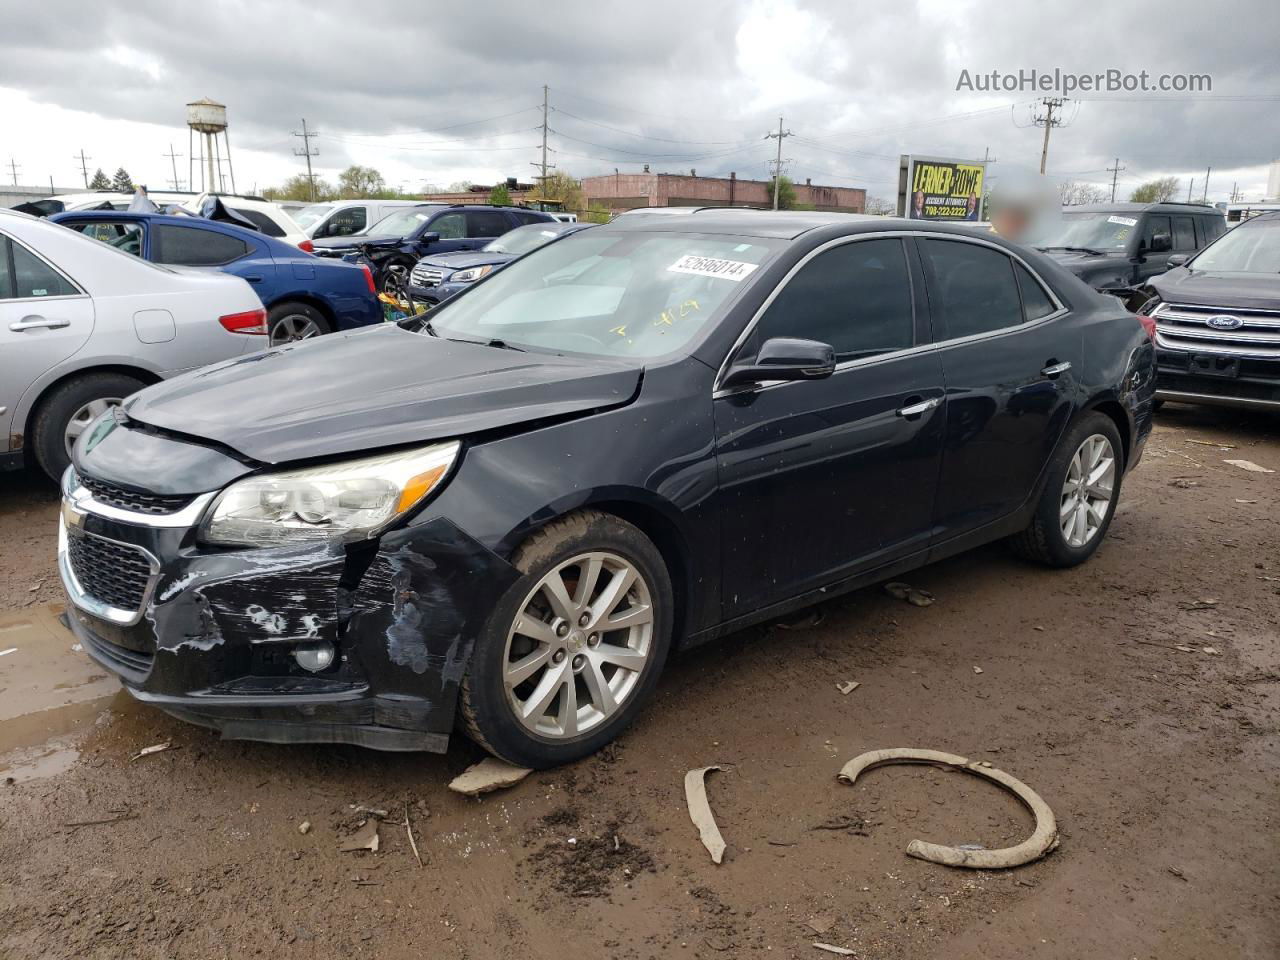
point(341, 218)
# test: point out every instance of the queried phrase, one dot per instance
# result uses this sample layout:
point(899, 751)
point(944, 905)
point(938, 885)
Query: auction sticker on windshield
point(1123, 221)
point(734, 270)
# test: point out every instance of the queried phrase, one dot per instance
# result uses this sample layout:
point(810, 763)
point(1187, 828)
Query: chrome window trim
point(717, 391)
point(116, 615)
point(81, 294)
point(81, 500)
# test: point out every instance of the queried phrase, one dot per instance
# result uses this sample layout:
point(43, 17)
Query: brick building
point(626, 191)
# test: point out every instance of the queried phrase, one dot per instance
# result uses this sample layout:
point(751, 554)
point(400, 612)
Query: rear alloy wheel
point(68, 411)
point(291, 322)
point(1081, 489)
point(572, 649)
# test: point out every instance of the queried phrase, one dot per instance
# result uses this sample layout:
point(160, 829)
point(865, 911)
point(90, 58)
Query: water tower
point(209, 119)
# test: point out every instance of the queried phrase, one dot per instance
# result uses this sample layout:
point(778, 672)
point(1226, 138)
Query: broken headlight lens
point(349, 500)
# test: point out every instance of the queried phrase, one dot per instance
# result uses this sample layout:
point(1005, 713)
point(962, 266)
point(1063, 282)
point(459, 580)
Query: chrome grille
point(116, 496)
point(109, 572)
point(1187, 327)
point(426, 276)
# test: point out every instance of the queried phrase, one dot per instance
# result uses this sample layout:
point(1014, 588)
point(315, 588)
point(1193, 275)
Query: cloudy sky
point(435, 92)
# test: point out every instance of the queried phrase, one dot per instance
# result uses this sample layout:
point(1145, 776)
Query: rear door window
point(1184, 234)
point(972, 288)
point(486, 223)
point(25, 276)
point(124, 235)
point(855, 297)
point(1036, 302)
point(193, 247)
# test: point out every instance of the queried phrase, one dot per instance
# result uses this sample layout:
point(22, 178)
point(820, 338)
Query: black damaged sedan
point(636, 439)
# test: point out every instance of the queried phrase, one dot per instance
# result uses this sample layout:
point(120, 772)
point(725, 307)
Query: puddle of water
point(50, 694)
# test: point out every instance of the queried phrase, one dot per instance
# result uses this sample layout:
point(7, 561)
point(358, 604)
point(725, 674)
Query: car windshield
point(608, 294)
point(522, 239)
point(1103, 232)
point(312, 214)
point(401, 223)
point(1249, 248)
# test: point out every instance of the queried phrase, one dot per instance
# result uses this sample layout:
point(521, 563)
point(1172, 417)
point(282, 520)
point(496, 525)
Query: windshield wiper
point(1096, 253)
point(495, 342)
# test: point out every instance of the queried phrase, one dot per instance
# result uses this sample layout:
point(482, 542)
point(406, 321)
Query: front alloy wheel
point(578, 645)
point(1086, 493)
point(84, 416)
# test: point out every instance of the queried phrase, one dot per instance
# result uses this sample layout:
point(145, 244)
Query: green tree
point(596, 213)
point(458, 186)
point(786, 193)
point(122, 182)
point(563, 187)
point(1156, 191)
point(358, 182)
point(500, 196)
point(298, 188)
point(100, 181)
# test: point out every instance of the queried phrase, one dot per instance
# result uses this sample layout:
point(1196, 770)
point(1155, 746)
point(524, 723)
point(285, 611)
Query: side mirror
point(429, 237)
point(784, 358)
point(1160, 243)
point(1178, 260)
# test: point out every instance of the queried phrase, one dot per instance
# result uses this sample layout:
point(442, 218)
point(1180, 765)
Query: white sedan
point(83, 325)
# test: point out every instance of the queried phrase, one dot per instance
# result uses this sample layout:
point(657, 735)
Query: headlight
point(350, 500)
point(470, 275)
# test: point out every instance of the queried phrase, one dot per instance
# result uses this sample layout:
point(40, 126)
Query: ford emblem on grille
point(1225, 321)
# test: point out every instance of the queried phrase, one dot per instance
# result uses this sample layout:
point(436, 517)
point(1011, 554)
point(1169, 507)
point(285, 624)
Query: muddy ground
point(1161, 764)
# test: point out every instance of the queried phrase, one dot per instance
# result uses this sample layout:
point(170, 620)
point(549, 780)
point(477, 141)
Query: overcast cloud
point(433, 92)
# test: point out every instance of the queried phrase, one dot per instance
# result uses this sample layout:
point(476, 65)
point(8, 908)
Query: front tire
point(69, 409)
point(1080, 494)
point(573, 649)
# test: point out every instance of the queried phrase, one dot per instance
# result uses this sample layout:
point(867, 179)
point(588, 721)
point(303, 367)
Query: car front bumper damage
point(213, 639)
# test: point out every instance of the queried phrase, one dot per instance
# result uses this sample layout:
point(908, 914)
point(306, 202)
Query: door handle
point(915, 409)
point(38, 323)
point(1054, 369)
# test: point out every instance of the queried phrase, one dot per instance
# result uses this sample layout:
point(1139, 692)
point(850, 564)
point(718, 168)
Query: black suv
point(397, 241)
point(1116, 247)
point(1217, 320)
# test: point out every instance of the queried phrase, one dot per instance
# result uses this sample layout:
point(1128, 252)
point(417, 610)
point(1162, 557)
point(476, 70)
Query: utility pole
point(777, 164)
point(307, 152)
point(1115, 172)
point(173, 160)
point(13, 169)
point(1048, 121)
point(1207, 171)
point(1190, 186)
point(543, 184)
point(1235, 196)
point(84, 166)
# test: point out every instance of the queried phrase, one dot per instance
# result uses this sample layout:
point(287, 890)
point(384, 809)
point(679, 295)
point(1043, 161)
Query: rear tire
point(65, 412)
point(292, 322)
point(1071, 519)
point(579, 696)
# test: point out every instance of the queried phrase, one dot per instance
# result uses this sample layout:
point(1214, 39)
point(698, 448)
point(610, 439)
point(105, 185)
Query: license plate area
point(1207, 365)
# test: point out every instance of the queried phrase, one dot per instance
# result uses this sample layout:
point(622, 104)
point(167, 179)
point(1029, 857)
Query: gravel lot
point(1161, 764)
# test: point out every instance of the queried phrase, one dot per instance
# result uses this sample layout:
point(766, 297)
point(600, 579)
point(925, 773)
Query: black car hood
point(1210, 289)
point(350, 243)
point(465, 258)
point(344, 393)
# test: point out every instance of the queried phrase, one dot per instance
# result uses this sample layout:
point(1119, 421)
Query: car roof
point(177, 219)
point(1164, 206)
point(783, 224)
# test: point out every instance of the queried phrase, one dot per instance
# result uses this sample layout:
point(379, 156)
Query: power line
point(173, 160)
point(642, 136)
point(777, 164)
point(1115, 172)
point(454, 126)
point(84, 166)
point(307, 152)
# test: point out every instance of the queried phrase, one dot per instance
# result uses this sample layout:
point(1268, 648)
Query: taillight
point(306, 246)
point(251, 321)
point(368, 278)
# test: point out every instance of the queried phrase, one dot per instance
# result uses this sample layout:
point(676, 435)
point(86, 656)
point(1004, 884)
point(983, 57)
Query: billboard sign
point(938, 188)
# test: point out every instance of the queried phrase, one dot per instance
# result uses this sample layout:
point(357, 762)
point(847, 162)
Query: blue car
point(436, 278)
point(305, 296)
